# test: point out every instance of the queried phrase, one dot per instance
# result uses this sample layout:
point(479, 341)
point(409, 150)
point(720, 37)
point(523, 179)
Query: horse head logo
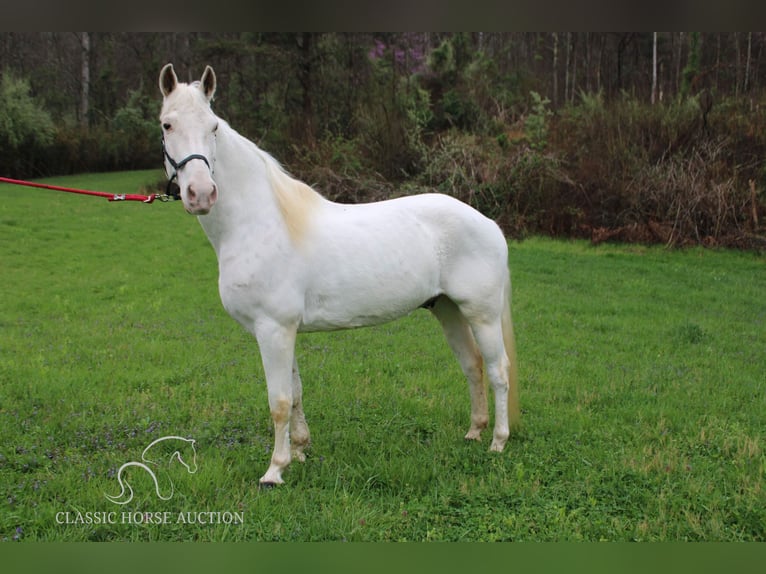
point(182, 449)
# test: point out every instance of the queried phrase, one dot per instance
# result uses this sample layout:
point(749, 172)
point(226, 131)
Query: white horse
point(291, 261)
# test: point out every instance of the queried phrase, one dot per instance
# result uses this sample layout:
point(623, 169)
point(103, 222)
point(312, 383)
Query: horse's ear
point(168, 80)
point(208, 82)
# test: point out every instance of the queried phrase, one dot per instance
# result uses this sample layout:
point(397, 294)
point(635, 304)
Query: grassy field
point(642, 372)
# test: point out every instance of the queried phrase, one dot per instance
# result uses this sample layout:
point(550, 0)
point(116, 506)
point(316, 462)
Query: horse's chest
point(250, 289)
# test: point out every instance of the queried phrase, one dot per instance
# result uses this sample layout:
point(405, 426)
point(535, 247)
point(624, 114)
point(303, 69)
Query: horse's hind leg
point(489, 337)
point(299, 430)
point(462, 342)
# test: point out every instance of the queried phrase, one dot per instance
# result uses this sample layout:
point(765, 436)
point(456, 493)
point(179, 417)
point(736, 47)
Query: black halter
point(172, 189)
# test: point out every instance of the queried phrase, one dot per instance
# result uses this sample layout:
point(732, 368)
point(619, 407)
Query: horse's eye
point(215, 129)
point(166, 127)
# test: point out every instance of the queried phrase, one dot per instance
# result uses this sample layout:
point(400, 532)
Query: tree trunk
point(566, 67)
point(305, 40)
point(738, 66)
point(747, 61)
point(555, 69)
point(573, 83)
point(654, 67)
point(678, 54)
point(85, 79)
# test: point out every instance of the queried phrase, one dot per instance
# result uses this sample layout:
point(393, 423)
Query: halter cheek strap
point(176, 193)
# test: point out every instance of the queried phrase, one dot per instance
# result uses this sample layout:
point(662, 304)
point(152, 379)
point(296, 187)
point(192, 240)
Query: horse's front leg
point(277, 345)
point(299, 430)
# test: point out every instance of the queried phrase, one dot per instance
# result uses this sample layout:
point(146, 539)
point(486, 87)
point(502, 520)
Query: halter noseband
point(177, 167)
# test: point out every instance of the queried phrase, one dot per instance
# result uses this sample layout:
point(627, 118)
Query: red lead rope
point(109, 196)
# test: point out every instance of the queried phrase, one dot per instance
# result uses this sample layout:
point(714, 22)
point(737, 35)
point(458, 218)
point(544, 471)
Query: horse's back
point(441, 215)
point(458, 223)
point(464, 236)
point(436, 225)
point(370, 263)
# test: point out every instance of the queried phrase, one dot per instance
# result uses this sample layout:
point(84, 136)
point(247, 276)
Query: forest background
point(648, 137)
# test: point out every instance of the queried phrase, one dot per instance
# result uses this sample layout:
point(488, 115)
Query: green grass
point(643, 385)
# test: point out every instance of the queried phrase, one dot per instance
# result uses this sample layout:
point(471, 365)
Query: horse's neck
point(246, 205)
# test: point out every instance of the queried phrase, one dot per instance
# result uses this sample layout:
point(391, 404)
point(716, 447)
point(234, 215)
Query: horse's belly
point(355, 288)
point(324, 313)
point(337, 319)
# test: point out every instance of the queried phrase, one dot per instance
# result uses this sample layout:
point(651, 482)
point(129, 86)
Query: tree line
point(548, 132)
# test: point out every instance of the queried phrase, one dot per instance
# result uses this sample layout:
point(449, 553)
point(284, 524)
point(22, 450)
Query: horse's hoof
point(267, 485)
point(298, 455)
point(497, 446)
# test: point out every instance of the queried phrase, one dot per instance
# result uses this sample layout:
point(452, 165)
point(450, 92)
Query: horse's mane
point(295, 199)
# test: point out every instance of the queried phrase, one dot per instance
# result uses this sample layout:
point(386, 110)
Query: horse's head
point(188, 134)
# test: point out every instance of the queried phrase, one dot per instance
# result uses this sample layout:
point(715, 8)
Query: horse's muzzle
point(200, 202)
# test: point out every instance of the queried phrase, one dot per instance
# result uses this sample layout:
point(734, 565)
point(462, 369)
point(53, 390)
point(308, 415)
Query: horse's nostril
point(191, 193)
point(214, 194)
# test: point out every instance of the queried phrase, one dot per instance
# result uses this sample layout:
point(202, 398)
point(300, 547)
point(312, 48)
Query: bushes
point(26, 129)
point(34, 146)
point(520, 187)
point(689, 197)
point(622, 170)
point(659, 173)
point(604, 169)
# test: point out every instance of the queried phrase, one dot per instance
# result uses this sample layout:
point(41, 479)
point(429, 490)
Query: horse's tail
point(514, 411)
